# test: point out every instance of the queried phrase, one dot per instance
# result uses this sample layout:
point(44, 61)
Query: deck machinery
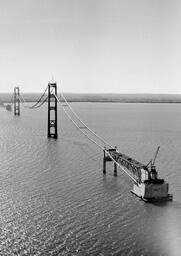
point(147, 185)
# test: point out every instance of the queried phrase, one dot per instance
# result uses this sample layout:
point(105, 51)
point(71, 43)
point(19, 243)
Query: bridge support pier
point(52, 111)
point(115, 169)
point(107, 158)
point(104, 162)
point(16, 101)
point(115, 165)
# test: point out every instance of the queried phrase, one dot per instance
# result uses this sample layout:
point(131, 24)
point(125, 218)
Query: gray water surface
point(54, 199)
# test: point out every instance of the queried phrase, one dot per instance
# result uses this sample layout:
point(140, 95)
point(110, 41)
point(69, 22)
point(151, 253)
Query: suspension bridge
point(147, 185)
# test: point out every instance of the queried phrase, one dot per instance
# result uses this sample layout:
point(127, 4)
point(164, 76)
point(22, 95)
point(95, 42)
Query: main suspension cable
point(103, 148)
point(40, 98)
point(41, 103)
point(90, 130)
point(34, 106)
point(96, 135)
point(78, 126)
point(121, 166)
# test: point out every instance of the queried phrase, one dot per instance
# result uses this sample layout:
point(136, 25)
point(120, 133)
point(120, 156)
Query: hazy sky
point(118, 46)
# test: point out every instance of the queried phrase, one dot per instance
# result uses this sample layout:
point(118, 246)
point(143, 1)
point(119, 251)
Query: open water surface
point(54, 199)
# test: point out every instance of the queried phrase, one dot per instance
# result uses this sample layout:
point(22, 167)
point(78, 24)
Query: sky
point(91, 46)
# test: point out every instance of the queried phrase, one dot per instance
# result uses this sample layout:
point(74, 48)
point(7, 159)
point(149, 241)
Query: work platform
point(131, 164)
point(147, 185)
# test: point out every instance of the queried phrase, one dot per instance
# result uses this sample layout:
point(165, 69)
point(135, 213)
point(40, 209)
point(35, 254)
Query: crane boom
point(156, 154)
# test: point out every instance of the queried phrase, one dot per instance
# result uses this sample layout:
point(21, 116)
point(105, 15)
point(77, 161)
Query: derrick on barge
point(146, 185)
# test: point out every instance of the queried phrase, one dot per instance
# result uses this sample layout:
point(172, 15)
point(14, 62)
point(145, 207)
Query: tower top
point(52, 82)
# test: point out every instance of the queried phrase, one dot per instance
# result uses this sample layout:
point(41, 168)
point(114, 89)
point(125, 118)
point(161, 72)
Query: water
point(54, 199)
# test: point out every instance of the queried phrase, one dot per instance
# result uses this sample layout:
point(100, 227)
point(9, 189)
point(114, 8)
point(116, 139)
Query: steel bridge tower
point(16, 101)
point(52, 110)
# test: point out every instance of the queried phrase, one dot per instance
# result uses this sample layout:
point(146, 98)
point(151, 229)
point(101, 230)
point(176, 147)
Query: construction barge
point(147, 185)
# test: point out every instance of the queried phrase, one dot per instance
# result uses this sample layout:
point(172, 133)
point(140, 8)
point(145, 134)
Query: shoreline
point(101, 98)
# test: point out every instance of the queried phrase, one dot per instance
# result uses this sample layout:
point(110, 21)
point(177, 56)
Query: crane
point(153, 172)
point(156, 154)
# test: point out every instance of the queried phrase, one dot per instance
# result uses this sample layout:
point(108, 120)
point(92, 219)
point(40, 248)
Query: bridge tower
point(16, 101)
point(52, 110)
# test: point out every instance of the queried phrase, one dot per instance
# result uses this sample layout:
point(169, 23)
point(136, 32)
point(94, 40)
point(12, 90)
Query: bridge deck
point(126, 161)
point(120, 156)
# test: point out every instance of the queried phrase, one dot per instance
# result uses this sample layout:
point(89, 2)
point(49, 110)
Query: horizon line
point(105, 93)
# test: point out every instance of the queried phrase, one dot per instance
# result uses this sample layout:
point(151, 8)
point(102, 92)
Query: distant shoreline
point(102, 98)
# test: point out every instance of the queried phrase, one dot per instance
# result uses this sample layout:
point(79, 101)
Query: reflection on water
point(54, 199)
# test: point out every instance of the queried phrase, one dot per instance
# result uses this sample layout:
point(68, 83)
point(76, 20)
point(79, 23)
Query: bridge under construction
point(146, 184)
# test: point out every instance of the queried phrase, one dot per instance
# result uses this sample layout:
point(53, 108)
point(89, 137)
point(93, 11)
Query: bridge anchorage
point(52, 111)
point(16, 101)
point(147, 185)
